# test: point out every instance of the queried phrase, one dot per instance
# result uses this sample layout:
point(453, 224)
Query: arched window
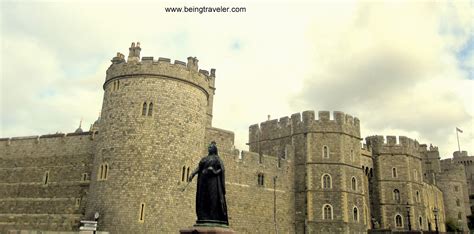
point(325, 151)
point(458, 203)
point(394, 172)
point(327, 212)
point(355, 214)
point(150, 109)
point(144, 109)
point(354, 184)
point(396, 195)
point(398, 221)
point(326, 181)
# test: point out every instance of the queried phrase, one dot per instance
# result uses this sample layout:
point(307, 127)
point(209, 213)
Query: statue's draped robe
point(210, 195)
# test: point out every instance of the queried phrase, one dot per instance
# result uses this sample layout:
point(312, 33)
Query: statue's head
point(212, 148)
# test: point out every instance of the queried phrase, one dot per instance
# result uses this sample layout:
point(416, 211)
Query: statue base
point(198, 229)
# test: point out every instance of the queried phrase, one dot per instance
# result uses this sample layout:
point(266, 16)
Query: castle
point(302, 174)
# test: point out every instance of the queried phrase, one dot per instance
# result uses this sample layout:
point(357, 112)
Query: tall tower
point(329, 190)
point(399, 188)
point(153, 121)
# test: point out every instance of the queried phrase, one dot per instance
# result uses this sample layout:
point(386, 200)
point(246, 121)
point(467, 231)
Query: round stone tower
point(153, 121)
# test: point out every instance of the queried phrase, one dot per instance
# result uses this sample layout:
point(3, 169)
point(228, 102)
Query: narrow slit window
point(118, 84)
point(46, 177)
point(106, 171)
point(182, 173)
point(354, 184)
point(113, 89)
point(394, 172)
point(187, 174)
point(84, 176)
point(144, 109)
point(142, 213)
point(150, 109)
point(101, 172)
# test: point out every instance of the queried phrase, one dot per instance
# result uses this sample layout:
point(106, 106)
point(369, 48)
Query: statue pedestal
point(206, 230)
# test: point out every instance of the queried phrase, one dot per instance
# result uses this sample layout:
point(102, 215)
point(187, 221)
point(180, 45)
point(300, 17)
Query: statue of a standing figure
point(211, 207)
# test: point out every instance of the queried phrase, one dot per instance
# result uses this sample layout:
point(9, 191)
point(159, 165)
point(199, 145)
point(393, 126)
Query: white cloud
point(393, 65)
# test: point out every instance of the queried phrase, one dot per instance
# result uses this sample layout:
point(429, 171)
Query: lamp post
point(408, 217)
point(435, 211)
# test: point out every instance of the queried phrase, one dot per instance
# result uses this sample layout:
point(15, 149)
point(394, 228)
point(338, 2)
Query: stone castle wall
point(309, 137)
point(399, 181)
point(452, 181)
point(28, 199)
point(154, 118)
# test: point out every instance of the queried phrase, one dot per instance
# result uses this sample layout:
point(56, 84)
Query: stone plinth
point(206, 230)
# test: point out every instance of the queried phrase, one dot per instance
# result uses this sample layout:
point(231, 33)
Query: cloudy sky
point(402, 68)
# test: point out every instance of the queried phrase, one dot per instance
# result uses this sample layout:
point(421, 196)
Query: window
point(352, 155)
point(456, 188)
point(118, 84)
point(84, 176)
point(325, 151)
point(396, 195)
point(46, 178)
point(327, 212)
point(103, 171)
point(421, 222)
point(78, 202)
point(326, 181)
point(182, 173)
point(394, 172)
point(458, 203)
point(398, 221)
point(354, 184)
point(417, 196)
point(187, 174)
point(150, 109)
point(260, 179)
point(141, 218)
point(144, 109)
point(355, 214)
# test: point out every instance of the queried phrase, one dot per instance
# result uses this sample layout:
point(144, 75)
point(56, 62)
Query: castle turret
point(399, 183)
point(329, 180)
point(153, 121)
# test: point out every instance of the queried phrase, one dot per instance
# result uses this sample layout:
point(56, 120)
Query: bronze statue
point(211, 206)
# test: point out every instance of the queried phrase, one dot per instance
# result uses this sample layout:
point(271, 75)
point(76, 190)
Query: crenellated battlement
point(305, 122)
point(147, 66)
point(393, 145)
point(38, 138)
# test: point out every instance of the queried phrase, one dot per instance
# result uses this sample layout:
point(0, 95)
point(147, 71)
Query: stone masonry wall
point(30, 201)
point(145, 147)
point(452, 182)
